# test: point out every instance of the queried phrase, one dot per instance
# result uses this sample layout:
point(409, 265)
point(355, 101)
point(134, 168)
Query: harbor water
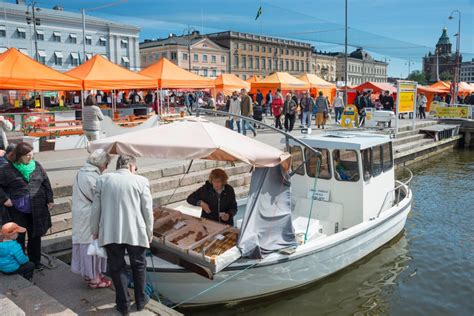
point(428, 269)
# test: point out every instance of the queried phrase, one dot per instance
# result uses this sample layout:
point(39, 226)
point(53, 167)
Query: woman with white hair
point(90, 267)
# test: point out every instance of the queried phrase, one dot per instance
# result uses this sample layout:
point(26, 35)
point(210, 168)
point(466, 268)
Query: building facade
point(250, 54)
point(324, 66)
point(441, 64)
point(361, 67)
point(60, 38)
point(467, 71)
point(191, 52)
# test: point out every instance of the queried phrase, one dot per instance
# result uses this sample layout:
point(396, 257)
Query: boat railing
point(400, 185)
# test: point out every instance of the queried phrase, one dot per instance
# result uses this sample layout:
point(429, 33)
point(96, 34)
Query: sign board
point(319, 195)
point(61, 102)
point(453, 112)
point(17, 104)
point(349, 116)
point(406, 100)
point(37, 104)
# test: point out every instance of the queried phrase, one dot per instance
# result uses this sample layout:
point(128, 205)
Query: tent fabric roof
point(430, 89)
point(102, 74)
point(20, 72)
point(210, 141)
point(253, 79)
point(282, 80)
point(376, 87)
point(170, 76)
point(441, 85)
point(445, 86)
point(229, 83)
point(315, 81)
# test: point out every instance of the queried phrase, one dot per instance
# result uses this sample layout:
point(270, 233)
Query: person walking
point(91, 117)
point(123, 200)
point(234, 108)
point(307, 105)
point(25, 191)
point(338, 105)
point(361, 108)
point(268, 103)
point(277, 107)
point(91, 268)
point(259, 97)
point(246, 109)
point(289, 110)
point(421, 102)
point(322, 104)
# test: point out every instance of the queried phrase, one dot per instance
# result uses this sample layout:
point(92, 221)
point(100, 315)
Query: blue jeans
point(245, 126)
point(338, 113)
point(307, 118)
point(232, 124)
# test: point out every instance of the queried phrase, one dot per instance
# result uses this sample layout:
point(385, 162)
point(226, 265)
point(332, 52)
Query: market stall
point(317, 84)
point(282, 80)
point(228, 83)
point(253, 78)
point(430, 92)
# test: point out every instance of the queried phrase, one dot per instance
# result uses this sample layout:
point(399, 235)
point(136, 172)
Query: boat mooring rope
point(215, 285)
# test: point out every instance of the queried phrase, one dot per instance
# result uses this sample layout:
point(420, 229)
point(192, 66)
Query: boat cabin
point(354, 183)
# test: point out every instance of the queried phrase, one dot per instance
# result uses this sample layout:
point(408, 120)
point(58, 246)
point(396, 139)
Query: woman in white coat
point(90, 267)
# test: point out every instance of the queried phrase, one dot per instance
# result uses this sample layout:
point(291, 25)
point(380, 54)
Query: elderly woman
point(26, 193)
point(90, 267)
point(216, 198)
point(91, 117)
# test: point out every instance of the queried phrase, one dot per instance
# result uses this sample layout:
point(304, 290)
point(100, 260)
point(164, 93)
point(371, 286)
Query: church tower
point(443, 47)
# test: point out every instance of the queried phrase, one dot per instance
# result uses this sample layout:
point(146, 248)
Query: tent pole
point(82, 104)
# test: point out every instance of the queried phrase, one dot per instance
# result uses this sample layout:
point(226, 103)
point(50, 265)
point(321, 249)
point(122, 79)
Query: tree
point(446, 76)
point(418, 76)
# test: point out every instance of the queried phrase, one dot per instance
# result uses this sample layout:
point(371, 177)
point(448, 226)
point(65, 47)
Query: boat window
point(387, 156)
point(377, 160)
point(312, 163)
point(346, 165)
point(366, 163)
point(297, 160)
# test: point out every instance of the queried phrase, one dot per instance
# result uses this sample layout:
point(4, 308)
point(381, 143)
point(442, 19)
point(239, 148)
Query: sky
point(399, 31)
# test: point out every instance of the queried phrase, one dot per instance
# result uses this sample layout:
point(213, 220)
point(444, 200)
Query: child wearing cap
point(12, 258)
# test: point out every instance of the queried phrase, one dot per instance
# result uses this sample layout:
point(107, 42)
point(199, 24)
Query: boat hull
point(312, 262)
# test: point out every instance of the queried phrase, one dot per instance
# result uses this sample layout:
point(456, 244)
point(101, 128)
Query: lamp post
point(456, 68)
point(35, 21)
point(409, 63)
point(189, 31)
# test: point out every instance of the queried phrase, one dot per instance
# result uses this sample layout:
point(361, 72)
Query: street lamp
point(188, 34)
point(409, 63)
point(35, 21)
point(457, 68)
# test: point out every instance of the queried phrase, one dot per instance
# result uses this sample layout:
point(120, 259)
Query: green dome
point(444, 39)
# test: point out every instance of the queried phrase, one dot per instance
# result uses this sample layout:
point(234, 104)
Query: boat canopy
point(194, 139)
point(345, 140)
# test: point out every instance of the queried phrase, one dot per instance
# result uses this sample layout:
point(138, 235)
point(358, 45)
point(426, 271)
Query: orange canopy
point(317, 84)
point(254, 78)
point(282, 80)
point(20, 72)
point(376, 87)
point(101, 74)
point(170, 76)
point(444, 85)
point(228, 83)
point(465, 87)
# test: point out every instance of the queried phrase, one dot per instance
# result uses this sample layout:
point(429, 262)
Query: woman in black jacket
point(26, 193)
point(216, 198)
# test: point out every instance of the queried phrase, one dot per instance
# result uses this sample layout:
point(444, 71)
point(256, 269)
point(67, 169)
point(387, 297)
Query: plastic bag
point(95, 250)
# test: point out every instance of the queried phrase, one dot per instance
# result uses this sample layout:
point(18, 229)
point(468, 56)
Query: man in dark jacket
point(387, 101)
point(268, 103)
point(259, 97)
point(216, 198)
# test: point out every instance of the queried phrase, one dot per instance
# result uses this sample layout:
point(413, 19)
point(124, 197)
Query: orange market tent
point(101, 74)
point(20, 72)
point(170, 76)
point(317, 84)
point(254, 78)
point(465, 88)
point(376, 87)
point(282, 80)
point(228, 83)
point(444, 85)
point(429, 92)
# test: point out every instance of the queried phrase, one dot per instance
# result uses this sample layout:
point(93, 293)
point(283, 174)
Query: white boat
point(345, 203)
point(350, 220)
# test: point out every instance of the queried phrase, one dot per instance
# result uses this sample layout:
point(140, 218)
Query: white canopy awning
point(102, 39)
point(57, 34)
point(41, 53)
point(88, 56)
point(125, 59)
point(40, 32)
point(2, 27)
point(88, 37)
point(209, 141)
point(24, 51)
point(72, 35)
point(58, 54)
point(74, 55)
point(21, 30)
point(124, 41)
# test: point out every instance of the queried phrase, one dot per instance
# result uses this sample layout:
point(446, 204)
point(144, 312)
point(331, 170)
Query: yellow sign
point(61, 102)
point(406, 101)
point(408, 86)
point(453, 112)
point(37, 104)
point(349, 116)
point(17, 103)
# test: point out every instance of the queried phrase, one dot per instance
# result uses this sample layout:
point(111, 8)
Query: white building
point(467, 71)
point(59, 36)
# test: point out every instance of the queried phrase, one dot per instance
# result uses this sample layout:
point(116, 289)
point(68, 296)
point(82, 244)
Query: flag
point(259, 13)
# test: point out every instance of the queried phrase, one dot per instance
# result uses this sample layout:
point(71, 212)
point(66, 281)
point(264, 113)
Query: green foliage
point(446, 76)
point(418, 76)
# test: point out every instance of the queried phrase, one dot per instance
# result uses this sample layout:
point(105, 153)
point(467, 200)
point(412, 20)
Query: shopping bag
point(95, 250)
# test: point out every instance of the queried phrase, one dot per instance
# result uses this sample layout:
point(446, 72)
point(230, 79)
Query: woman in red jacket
point(277, 107)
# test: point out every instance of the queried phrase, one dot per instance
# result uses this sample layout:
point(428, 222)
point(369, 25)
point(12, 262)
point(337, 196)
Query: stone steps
point(407, 139)
point(416, 144)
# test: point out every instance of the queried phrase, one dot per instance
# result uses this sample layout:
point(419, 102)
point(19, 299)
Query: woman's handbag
point(95, 250)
